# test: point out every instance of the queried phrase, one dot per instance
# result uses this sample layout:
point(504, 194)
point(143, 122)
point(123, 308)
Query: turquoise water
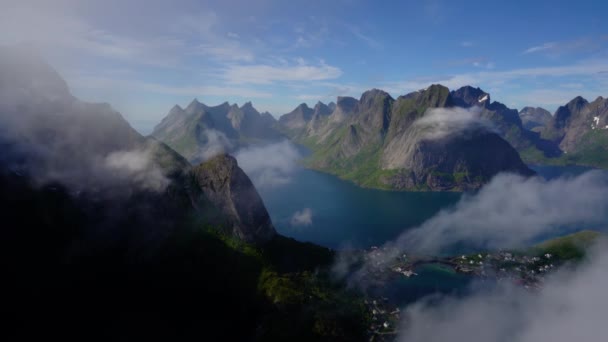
point(345, 215)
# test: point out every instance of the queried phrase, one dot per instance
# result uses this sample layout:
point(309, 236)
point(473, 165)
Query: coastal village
point(521, 269)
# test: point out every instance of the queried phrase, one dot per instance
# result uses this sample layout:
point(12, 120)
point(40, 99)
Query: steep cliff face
point(455, 163)
point(228, 199)
point(556, 129)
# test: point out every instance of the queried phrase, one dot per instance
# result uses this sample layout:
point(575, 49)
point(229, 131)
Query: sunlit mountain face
point(307, 171)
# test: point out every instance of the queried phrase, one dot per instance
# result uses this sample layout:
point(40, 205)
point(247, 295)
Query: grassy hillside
point(569, 247)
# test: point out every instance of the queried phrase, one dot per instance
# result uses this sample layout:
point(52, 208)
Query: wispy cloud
point(302, 217)
point(270, 165)
point(99, 82)
point(268, 74)
point(557, 48)
point(371, 42)
point(438, 123)
point(539, 48)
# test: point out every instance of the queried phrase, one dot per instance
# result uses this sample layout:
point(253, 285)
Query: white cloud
point(215, 143)
point(302, 217)
point(138, 165)
point(271, 165)
point(268, 74)
point(438, 123)
point(512, 211)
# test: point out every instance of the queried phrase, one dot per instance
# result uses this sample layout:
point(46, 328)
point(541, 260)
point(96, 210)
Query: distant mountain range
point(200, 131)
point(375, 142)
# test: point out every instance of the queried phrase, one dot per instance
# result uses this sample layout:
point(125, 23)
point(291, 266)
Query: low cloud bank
point(270, 165)
point(512, 211)
point(509, 212)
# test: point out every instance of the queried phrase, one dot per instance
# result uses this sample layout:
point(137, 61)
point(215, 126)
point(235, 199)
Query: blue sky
point(145, 56)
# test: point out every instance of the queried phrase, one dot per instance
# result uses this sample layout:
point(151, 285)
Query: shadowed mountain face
point(404, 144)
point(51, 137)
point(200, 132)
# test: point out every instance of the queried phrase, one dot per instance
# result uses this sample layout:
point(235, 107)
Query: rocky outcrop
point(228, 199)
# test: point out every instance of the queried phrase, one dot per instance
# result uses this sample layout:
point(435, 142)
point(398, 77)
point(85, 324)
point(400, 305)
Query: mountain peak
point(302, 105)
point(194, 106)
point(577, 102)
point(242, 211)
point(177, 108)
point(468, 96)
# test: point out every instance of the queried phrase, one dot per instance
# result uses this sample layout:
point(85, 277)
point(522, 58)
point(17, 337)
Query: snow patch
point(596, 122)
point(483, 98)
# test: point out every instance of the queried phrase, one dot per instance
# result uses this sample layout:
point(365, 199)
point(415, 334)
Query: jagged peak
point(247, 104)
point(195, 104)
point(303, 105)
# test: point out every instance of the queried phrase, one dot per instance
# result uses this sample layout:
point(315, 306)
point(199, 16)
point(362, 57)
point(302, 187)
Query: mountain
point(132, 241)
point(381, 142)
point(534, 119)
point(229, 199)
point(510, 126)
point(297, 118)
point(200, 132)
point(580, 128)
